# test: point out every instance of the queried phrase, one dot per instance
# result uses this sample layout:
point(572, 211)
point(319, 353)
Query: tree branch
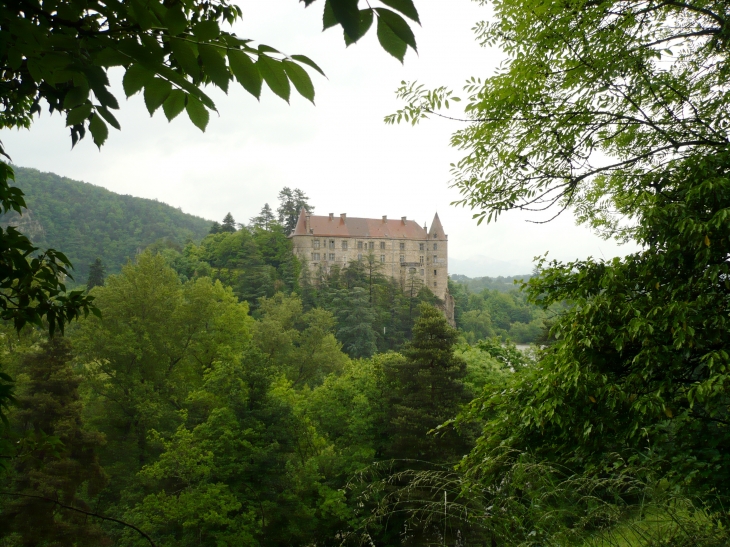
point(87, 513)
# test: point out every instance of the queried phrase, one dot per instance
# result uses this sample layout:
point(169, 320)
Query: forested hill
point(86, 221)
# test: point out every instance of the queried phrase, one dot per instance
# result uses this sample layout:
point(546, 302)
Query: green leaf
point(175, 20)
point(75, 96)
point(406, 7)
point(99, 130)
point(108, 116)
point(155, 93)
point(185, 56)
point(301, 80)
point(197, 113)
point(135, 79)
point(398, 25)
point(366, 21)
point(347, 15)
point(214, 66)
point(390, 42)
point(174, 104)
point(78, 114)
point(111, 57)
point(274, 76)
point(307, 61)
point(245, 71)
point(328, 17)
point(207, 30)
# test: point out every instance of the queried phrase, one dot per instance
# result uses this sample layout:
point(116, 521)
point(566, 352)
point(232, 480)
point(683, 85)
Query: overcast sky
point(339, 152)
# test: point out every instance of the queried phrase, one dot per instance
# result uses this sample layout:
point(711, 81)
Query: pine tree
point(228, 225)
point(291, 203)
point(265, 218)
point(60, 461)
point(215, 228)
point(426, 391)
point(96, 275)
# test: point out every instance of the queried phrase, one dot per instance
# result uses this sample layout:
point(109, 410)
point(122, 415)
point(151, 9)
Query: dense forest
point(88, 222)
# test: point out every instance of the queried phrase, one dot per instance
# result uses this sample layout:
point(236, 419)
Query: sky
point(339, 152)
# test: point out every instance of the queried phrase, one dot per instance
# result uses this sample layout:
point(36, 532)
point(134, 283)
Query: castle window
point(344, 245)
point(332, 243)
point(435, 258)
point(371, 245)
point(421, 257)
point(402, 246)
point(435, 246)
point(435, 272)
point(423, 271)
point(359, 257)
point(435, 284)
point(315, 256)
point(359, 244)
point(402, 258)
point(382, 258)
point(434, 236)
point(315, 243)
point(421, 246)
point(332, 257)
point(411, 270)
point(382, 245)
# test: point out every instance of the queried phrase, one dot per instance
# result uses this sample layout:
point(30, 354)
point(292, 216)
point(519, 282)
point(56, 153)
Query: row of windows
point(316, 243)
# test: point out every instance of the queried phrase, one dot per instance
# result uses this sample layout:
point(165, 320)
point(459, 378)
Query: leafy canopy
point(594, 100)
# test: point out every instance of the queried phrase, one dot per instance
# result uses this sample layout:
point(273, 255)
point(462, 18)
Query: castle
point(403, 248)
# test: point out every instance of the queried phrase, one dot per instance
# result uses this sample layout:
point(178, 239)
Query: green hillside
point(86, 221)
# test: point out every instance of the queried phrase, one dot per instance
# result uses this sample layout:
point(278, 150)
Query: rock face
point(26, 223)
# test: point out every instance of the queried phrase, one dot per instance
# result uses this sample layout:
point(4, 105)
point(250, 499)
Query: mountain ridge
point(86, 221)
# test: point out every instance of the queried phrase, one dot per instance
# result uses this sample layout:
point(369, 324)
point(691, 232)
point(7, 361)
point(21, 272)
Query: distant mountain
point(501, 283)
point(86, 221)
point(480, 265)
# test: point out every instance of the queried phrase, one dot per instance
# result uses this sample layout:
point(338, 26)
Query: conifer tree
point(291, 203)
point(215, 228)
point(426, 390)
point(59, 462)
point(228, 225)
point(96, 275)
point(265, 218)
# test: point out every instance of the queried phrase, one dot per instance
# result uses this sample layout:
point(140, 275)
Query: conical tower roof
point(301, 228)
point(437, 230)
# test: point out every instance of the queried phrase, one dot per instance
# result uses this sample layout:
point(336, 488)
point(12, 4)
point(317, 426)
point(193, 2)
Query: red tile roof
point(338, 226)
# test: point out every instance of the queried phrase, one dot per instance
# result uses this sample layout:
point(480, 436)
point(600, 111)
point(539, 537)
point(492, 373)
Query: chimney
point(385, 218)
point(332, 216)
point(343, 217)
point(403, 220)
point(308, 224)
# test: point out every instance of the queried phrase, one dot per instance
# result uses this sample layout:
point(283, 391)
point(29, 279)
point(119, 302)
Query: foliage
point(499, 283)
point(638, 372)
point(265, 218)
point(96, 275)
point(56, 456)
point(593, 101)
point(495, 312)
point(90, 222)
point(291, 202)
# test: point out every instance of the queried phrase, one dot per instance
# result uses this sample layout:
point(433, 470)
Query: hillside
point(501, 283)
point(86, 221)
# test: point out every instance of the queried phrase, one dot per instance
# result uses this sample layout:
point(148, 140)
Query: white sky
point(340, 153)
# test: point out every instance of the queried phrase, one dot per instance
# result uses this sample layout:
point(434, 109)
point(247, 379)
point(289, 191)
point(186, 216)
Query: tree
point(58, 458)
point(594, 99)
point(228, 224)
point(291, 202)
point(425, 390)
point(96, 275)
point(215, 228)
point(59, 54)
point(265, 218)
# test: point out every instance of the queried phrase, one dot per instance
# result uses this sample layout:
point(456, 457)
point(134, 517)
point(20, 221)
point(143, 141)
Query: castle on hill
point(403, 248)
